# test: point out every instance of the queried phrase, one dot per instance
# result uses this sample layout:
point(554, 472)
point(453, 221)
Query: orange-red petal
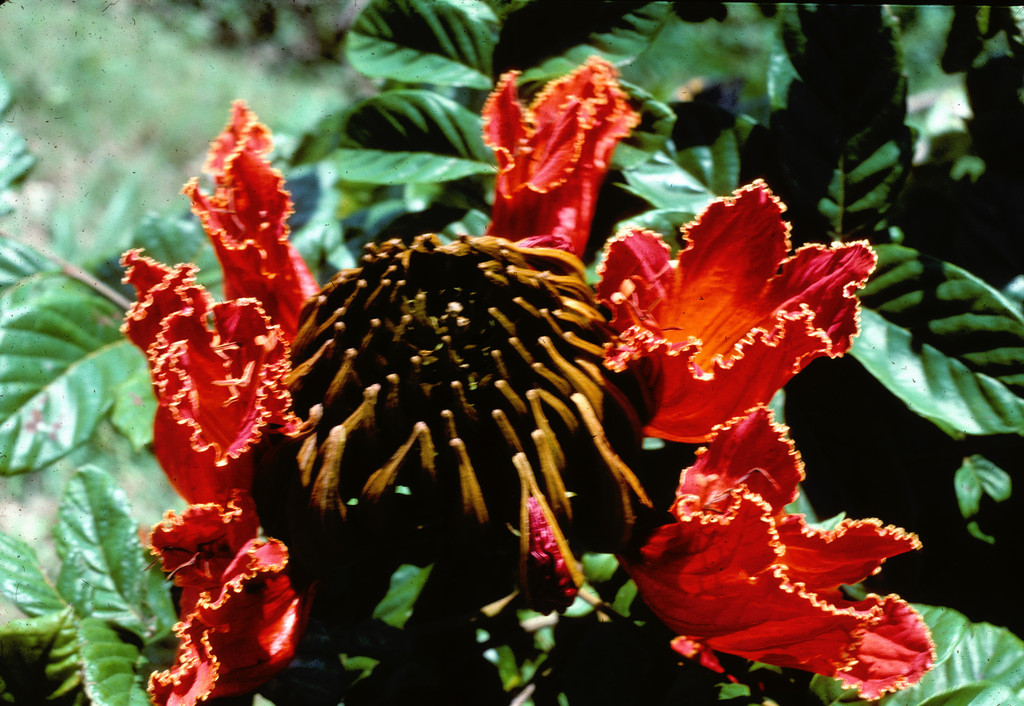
point(218, 373)
point(246, 219)
point(738, 574)
point(553, 156)
point(235, 638)
point(196, 546)
point(219, 387)
point(733, 318)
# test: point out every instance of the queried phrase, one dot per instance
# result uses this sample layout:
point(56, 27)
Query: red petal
point(848, 554)
point(733, 319)
point(197, 546)
point(161, 292)
point(725, 578)
point(236, 638)
point(751, 451)
point(243, 128)
point(246, 219)
point(553, 156)
point(218, 390)
point(895, 652)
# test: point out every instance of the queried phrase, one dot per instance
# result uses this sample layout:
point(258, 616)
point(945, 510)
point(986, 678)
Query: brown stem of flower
point(77, 273)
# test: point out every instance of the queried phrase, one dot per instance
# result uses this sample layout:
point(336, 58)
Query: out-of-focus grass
point(111, 100)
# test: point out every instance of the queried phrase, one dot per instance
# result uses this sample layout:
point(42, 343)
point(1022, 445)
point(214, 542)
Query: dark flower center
point(443, 384)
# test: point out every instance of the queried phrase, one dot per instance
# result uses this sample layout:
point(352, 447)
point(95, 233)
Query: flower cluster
point(511, 405)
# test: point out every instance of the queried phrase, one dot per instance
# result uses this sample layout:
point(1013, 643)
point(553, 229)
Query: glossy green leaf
point(945, 342)
point(15, 159)
point(975, 478)
point(61, 356)
point(134, 409)
point(667, 186)
point(103, 574)
point(18, 261)
point(444, 42)
point(22, 581)
point(108, 666)
point(39, 661)
point(838, 98)
point(406, 584)
point(404, 137)
point(975, 663)
point(553, 39)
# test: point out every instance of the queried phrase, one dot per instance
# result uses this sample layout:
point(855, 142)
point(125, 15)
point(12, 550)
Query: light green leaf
point(975, 663)
point(943, 341)
point(39, 661)
point(61, 356)
point(406, 584)
point(444, 42)
point(174, 239)
point(404, 137)
point(108, 665)
point(22, 580)
point(103, 574)
point(15, 159)
point(19, 261)
point(666, 185)
point(978, 476)
point(134, 408)
point(838, 97)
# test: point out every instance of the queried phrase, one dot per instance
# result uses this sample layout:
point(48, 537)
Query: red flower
point(218, 373)
point(734, 317)
point(736, 573)
point(242, 615)
point(553, 155)
point(246, 219)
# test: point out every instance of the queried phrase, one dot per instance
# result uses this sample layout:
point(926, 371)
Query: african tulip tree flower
point(246, 219)
point(553, 155)
point(735, 316)
point(218, 372)
point(738, 574)
point(242, 615)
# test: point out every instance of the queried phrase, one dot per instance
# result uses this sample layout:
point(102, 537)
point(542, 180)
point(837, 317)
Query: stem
point(77, 273)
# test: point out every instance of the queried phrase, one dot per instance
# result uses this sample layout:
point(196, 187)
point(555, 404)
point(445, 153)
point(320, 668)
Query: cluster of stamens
point(446, 384)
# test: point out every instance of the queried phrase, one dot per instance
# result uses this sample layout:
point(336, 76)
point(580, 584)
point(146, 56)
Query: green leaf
point(556, 38)
point(667, 186)
point(838, 99)
point(315, 226)
point(39, 661)
point(15, 159)
point(403, 137)
point(103, 574)
point(61, 356)
point(174, 239)
point(19, 261)
point(975, 663)
point(650, 136)
point(444, 42)
point(978, 476)
point(406, 584)
point(134, 409)
point(108, 665)
point(945, 342)
point(22, 580)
